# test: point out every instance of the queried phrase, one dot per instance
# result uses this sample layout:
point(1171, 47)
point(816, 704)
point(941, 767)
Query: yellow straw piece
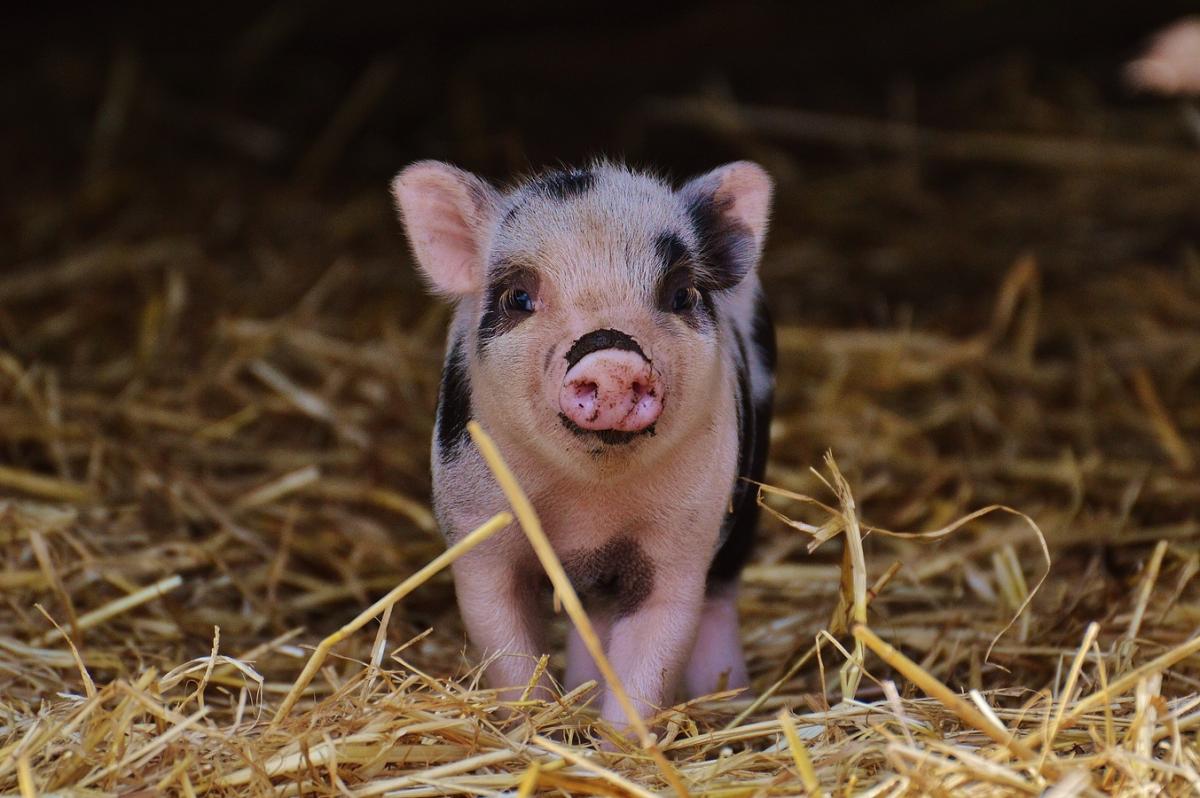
point(114, 608)
point(804, 765)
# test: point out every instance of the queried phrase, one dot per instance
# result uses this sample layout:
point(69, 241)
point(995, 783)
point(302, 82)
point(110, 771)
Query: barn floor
point(216, 395)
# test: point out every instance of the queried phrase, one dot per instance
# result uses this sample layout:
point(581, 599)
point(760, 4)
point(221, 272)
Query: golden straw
point(804, 765)
point(589, 765)
point(489, 528)
point(114, 608)
point(1122, 685)
point(936, 690)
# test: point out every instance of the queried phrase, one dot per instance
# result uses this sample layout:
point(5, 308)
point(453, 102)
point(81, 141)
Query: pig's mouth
point(609, 437)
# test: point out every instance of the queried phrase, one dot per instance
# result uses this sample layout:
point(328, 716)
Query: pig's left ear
point(446, 213)
point(729, 207)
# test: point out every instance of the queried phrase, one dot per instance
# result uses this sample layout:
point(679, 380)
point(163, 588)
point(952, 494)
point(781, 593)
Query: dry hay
point(206, 475)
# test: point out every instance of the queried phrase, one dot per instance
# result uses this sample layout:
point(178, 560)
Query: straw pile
point(214, 413)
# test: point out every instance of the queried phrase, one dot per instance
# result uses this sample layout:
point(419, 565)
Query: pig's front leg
point(581, 667)
point(717, 661)
point(649, 646)
point(499, 607)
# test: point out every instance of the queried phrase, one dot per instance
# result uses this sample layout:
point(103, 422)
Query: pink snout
point(611, 389)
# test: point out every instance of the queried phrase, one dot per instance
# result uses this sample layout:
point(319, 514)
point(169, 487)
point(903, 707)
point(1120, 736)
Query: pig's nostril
point(610, 390)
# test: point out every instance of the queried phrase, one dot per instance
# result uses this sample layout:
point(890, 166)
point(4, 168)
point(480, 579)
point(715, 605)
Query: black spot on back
point(563, 184)
point(762, 334)
point(454, 401)
point(601, 339)
point(754, 429)
point(618, 574)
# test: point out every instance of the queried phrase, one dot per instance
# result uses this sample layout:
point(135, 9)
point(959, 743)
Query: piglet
point(609, 331)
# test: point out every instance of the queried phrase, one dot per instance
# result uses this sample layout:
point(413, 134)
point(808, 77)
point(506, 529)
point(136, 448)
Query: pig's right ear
point(446, 213)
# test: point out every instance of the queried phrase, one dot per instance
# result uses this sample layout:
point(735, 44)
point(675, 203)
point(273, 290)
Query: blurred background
point(213, 347)
point(249, 123)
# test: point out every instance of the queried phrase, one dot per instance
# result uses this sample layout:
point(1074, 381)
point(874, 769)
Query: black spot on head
point(491, 322)
point(497, 319)
point(559, 184)
point(562, 184)
point(512, 211)
point(454, 402)
point(671, 250)
point(702, 315)
point(680, 270)
point(601, 339)
point(618, 574)
point(727, 247)
point(609, 437)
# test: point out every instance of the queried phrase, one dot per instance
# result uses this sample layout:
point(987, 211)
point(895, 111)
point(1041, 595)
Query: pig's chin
point(606, 438)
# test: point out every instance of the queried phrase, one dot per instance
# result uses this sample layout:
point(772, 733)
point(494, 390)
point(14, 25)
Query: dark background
point(503, 86)
point(187, 117)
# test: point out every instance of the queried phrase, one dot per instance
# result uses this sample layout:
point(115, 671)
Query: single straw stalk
point(116, 607)
point(43, 486)
point(855, 562)
point(1145, 590)
point(1089, 637)
point(25, 778)
point(808, 776)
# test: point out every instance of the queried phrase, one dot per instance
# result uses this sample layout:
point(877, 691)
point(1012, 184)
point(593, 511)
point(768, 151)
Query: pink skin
point(1172, 64)
point(580, 665)
point(612, 389)
point(594, 256)
point(653, 649)
point(717, 661)
point(649, 649)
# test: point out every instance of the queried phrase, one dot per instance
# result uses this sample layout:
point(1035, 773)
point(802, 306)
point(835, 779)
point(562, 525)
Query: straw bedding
point(214, 413)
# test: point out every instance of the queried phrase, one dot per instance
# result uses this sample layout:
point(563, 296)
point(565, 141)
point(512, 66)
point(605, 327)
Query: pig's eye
point(684, 299)
point(679, 293)
point(518, 299)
